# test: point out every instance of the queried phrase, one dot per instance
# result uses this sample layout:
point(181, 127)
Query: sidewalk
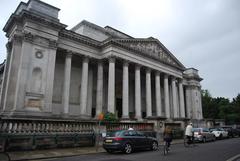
point(63, 152)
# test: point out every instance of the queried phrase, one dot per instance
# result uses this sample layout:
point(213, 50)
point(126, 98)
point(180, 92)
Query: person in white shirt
point(188, 132)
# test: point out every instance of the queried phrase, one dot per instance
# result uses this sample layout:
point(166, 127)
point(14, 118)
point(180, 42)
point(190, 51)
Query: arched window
point(36, 81)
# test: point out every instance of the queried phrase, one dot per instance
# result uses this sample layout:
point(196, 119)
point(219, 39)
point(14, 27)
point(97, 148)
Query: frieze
point(152, 49)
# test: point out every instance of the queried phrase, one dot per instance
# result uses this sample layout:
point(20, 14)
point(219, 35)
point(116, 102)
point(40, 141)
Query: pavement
point(61, 152)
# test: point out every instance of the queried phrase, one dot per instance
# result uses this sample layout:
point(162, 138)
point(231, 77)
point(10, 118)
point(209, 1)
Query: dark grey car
point(127, 141)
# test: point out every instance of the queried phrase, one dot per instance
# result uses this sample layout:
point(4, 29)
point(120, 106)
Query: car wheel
point(109, 151)
point(204, 140)
point(127, 148)
point(220, 137)
point(154, 146)
point(214, 138)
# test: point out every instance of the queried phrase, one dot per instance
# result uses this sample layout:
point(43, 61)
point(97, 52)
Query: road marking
point(234, 157)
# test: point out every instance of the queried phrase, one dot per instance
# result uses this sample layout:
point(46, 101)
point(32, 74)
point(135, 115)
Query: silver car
point(203, 135)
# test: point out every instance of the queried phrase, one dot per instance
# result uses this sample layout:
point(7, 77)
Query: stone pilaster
point(166, 96)
point(148, 93)
point(84, 86)
point(67, 81)
point(99, 100)
point(181, 99)
point(158, 94)
point(174, 96)
point(125, 92)
point(111, 85)
point(138, 107)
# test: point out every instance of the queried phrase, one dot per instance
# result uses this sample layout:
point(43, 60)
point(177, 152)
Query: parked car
point(231, 131)
point(203, 135)
point(219, 133)
point(127, 141)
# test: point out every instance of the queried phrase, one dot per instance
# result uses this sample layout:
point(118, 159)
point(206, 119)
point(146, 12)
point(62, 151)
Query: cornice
point(79, 38)
point(34, 17)
point(197, 78)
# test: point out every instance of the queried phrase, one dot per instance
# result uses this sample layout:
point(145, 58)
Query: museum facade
point(54, 73)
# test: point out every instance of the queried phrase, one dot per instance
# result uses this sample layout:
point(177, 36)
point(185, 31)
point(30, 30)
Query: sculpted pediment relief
point(152, 48)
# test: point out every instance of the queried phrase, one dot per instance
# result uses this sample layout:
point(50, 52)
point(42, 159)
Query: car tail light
point(118, 139)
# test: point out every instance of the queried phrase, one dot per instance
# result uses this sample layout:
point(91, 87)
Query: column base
point(138, 118)
point(125, 118)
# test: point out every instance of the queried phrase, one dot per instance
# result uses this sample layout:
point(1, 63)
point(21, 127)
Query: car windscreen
point(114, 133)
point(196, 130)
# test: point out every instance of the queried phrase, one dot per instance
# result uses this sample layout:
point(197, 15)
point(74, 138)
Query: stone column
point(125, 92)
point(138, 107)
point(67, 82)
point(111, 85)
point(148, 93)
point(158, 94)
point(166, 96)
point(181, 96)
point(99, 100)
point(174, 96)
point(84, 86)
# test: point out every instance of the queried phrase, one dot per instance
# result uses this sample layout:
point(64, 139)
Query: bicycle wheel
point(4, 156)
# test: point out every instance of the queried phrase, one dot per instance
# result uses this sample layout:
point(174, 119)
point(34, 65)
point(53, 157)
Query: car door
point(133, 138)
point(142, 140)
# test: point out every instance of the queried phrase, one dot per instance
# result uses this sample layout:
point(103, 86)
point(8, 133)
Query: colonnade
point(177, 95)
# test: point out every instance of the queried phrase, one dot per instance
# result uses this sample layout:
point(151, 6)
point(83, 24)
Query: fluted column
point(138, 107)
point(111, 85)
point(125, 92)
point(84, 86)
point(99, 98)
point(181, 96)
point(174, 96)
point(67, 81)
point(148, 93)
point(166, 96)
point(158, 94)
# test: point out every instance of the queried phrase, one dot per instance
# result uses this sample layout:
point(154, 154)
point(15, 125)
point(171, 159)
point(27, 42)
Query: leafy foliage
point(221, 108)
point(110, 117)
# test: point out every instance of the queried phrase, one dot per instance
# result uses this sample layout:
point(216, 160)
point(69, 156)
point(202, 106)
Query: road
point(220, 150)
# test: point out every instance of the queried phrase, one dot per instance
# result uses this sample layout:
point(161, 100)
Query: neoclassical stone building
point(53, 72)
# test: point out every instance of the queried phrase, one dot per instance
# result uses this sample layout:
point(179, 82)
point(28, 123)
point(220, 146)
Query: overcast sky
point(204, 34)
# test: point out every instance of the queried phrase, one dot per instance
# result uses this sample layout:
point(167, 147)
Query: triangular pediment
point(152, 48)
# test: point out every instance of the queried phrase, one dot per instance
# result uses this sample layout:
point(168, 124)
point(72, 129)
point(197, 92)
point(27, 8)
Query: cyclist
point(189, 133)
point(167, 136)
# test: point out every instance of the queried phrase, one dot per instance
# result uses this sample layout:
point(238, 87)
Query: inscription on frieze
point(152, 49)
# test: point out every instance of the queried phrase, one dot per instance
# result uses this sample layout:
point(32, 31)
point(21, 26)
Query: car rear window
point(196, 130)
point(114, 134)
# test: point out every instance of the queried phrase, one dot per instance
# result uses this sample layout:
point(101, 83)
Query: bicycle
point(189, 141)
point(165, 148)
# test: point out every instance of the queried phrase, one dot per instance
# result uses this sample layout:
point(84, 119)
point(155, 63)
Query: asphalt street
point(220, 150)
